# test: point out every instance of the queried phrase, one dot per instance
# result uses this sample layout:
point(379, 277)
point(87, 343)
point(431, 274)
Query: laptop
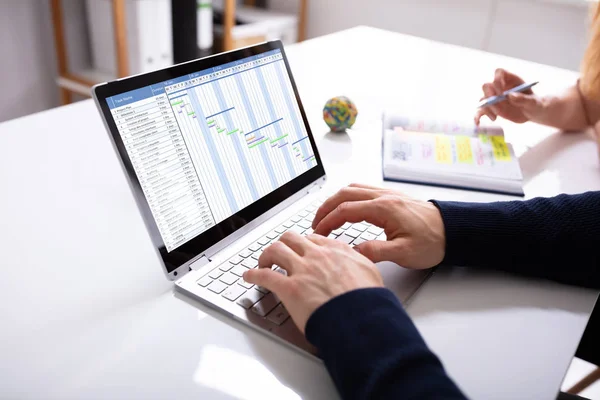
point(221, 160)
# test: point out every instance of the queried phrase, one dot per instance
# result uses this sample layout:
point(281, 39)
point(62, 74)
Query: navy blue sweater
point(371, 347)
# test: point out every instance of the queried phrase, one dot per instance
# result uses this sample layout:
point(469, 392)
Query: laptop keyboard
point(226, 279)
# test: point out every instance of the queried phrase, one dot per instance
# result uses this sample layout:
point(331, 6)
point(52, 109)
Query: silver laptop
point(221, 161)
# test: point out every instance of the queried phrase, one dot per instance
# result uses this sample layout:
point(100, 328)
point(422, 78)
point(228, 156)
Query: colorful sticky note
point(443, 149)
point(500, 148)
point(464, 153)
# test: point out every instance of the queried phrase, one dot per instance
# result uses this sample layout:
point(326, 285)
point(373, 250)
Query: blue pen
point(490, 101)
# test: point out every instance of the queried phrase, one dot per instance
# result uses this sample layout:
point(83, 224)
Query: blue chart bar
point(273, 114)
point(250, 113)
point(264, 126)
point(220, 112)
point(214, 154)
point(299, 140)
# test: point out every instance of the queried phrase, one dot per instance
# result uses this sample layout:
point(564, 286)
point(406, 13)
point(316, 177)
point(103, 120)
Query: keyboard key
point(338, 232)
point(235, 260)
point(273, 235)
point(297, 218)
point(281, 229)
point(254, 247)
point(215, 273)
point(264, 241)
point(304, 224)
point(279, 315)
point(225, 266)
point(263, 290)
point(346, 225)
point(250, 263)
point(345, 238)
point(381, 237)
point(257, 254)
point(309, 231)
point(368, 236)
point(245, 253)
point(205, 281)
point(280, 270)
point(352, 232)
point(375, 230)
point(264, 306)
point(239, 270)
point(228, 278)
point(234, 292)
point(288, 224)
point(332, 236)
point(358, 241)
point(245, 284)
point(360, 227)
point(311, 208)
point(303, 214)
point(217, 287)
point(249, 298)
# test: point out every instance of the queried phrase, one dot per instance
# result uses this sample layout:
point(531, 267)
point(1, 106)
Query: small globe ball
point(339, 113)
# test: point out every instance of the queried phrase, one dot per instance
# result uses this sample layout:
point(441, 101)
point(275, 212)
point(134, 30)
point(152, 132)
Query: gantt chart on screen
point(208, 144)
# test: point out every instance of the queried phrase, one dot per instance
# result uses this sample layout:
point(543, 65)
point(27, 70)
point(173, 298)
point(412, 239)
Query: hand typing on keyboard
point(414, 228)
point(318, 269)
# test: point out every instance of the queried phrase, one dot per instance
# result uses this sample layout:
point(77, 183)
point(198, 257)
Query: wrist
point(435, 223)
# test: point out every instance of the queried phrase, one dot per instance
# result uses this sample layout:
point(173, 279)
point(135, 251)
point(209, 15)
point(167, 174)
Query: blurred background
point(54, 50)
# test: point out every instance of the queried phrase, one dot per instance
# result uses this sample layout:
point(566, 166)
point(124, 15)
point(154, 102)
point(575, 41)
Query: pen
point(490, 101)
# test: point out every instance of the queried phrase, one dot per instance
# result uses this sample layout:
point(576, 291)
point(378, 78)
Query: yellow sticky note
point(501, 152)
point(443, 149)
point(464, 153)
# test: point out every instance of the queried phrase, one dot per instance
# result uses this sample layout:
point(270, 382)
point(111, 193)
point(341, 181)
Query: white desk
point(87, 313)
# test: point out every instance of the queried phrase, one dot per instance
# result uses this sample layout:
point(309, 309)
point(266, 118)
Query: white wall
point(27, 57)
point(545, 31)
point(27, 64)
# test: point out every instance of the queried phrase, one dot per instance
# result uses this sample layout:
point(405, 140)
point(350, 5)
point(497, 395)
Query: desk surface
point(87, 313)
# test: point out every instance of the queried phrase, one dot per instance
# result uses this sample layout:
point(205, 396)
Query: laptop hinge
point(199, 263)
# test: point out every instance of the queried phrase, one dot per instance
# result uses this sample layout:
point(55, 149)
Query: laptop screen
point(210, 143)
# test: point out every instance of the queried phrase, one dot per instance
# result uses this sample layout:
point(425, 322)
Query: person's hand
point(414, 229)
point(519, 107)
point(318, 269)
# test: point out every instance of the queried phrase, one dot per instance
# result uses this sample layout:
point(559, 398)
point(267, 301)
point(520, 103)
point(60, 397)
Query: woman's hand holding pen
point(519, 107)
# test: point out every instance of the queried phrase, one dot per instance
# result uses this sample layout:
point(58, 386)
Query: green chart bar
point(221, 130)
point(256, 144)
point(210, 122)
point(177, 103)
point(233, 131)
point(278, 139)
point(191, 113)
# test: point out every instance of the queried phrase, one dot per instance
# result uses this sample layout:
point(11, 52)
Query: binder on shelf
point(149, 37)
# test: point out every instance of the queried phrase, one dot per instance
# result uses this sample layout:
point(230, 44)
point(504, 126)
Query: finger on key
point(278, 254)
point(295, 242)
point(343, 195)
point(352, 211)
point(267, 278)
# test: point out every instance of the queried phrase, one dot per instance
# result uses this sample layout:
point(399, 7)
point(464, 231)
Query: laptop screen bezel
point(193, 248)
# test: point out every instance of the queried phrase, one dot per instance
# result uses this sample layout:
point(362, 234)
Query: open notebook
point(454, 156)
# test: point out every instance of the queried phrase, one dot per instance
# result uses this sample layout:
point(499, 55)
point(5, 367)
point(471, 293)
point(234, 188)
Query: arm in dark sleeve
point(372, 349)
point(556, 238)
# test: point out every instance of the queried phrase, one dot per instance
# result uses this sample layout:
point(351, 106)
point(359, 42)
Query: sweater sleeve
point(555, 238)
point(372, 349)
